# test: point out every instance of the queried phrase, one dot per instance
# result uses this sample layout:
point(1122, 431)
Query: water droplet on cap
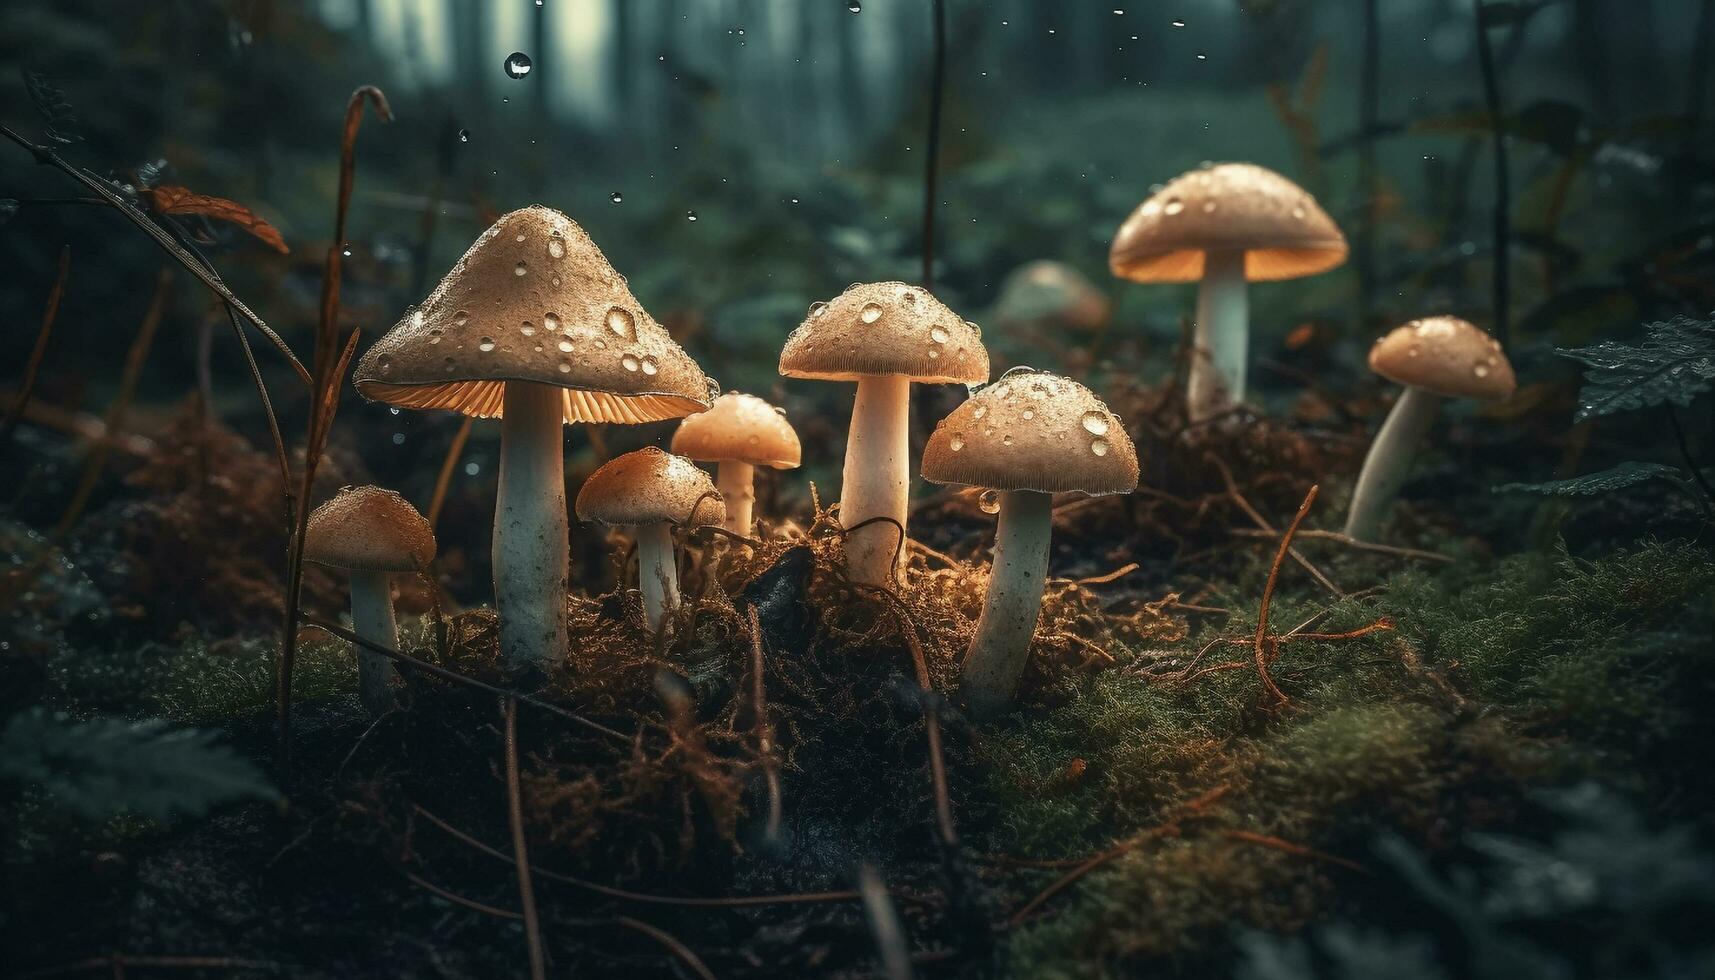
point(957, 442)
point(1095, 423)
point(989, 501)
point(486, 345)
point(622, 323)
point(1099, 447)
point(628, 362)
point(938, 334)
point(550, 322)
point(870, 313)
point(521, 268)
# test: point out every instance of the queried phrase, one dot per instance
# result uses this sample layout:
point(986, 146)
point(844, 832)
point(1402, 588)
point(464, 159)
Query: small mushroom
point(739, 433)
point(534, 327)
point(1221, 226)
point(1052, 297)
point(651, 491)
point(1029, 435)
point(1434, 358)
point(883, 336)
point(371, 533)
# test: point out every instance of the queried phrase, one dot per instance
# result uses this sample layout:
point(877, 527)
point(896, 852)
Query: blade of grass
point(50, 314)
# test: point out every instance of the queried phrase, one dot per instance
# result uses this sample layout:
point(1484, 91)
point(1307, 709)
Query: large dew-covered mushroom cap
point(534, 300)
point(1033, 431)
point(1227, 207)
point(886, 328)
point(368, 529)
point(1447, 356)
point(741, 428)
point(649, 487)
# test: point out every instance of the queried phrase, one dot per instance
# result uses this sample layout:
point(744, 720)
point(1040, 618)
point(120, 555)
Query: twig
point(1171, 828)
point(672, 943)
point(27, 387)
point(884, 922)
point(643, 898)
point(192, 263)
point(763, 727)
point(115, 416)
point(1262, 523)
point(457, 899)
point(1262, 657)
point(1691, 463)
point(520, 853)
point(1112, 576)
point(1350, 542)
point(1288, 847)
point(1503, 183)
point(457, 678)
point(119, 961)
point(444, 479)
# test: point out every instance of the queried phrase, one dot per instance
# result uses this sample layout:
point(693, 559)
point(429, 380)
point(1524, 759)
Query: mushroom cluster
point(534, 327)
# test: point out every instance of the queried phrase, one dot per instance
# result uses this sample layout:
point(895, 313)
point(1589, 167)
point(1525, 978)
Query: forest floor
point(1473, 749)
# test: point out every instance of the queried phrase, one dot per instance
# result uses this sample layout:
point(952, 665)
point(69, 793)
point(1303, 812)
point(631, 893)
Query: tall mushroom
point(738, 434)
point(883, 336)
point(371, 533)
point(1435, 358)
point(1222, 226)
point(1029, 435)
point(533, 327)
point(651, 491)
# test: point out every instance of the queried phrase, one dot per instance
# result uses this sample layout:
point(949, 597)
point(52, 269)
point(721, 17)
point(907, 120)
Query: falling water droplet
point(855, 7)
point(690, 215)
point(517, 65)
point(616, 197)
point(464, 136)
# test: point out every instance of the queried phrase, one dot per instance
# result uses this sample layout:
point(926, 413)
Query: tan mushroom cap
point(1447, 356)
point(1227, 207)
point(1050, 293)
point(534, 300)
point(886, 328)
point(742, 428)
point(368, 529)
point(649, 486)
point(1033, 431)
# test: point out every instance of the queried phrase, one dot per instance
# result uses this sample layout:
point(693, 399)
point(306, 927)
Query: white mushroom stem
point(1389, 461)
point(1217, 377)
point(530, 527)
point(657, 572)
point(735, 480)
point(877, 477)
point(372, 619)
point(1002, 642)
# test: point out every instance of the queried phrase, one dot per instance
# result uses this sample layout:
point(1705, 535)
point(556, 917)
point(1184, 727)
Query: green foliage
point(1640, 892)
point(1674, 364)
point(1619, 477)
point(106, 766)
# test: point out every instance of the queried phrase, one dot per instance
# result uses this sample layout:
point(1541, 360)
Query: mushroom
point(371, 533)
point(1434, 358)
point(739, 433)
point(534, 327)
point(1053, 297)
point(883, 336)
point(1029, 435)
point(1221, 226)
point(651, 491)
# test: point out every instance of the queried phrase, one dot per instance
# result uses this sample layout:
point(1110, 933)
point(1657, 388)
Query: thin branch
point(1288, 847)
point(1262, 657)
point(671, 942)
point(27, 387)
point(457, 899)
point(197, 267)
point(1348, 541)
point(763, 727)
point(119, 961)
point(520, 852)
point(1263, 524)
point(457, 678)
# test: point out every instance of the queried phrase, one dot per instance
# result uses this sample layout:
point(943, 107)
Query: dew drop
point(938, 334)
point(1209, 207)
point(550, 322)
point(565, 367)
point(1480, 371)
point(649, 366)
point(934, 353)
point(386, 364)
point(989, 501)
point(1095, 423)
point(486, 345)
point(1174, 206)
point(1006, 440)
point(629, 363)
point(1029, 414)
point(556, 248)
point(521, 268)
point(817, 309)
point(957, 443)
point(565, 347)
point(527, 328)
point(460, 318)
point(1099, 447)
point(622, 323)
point(1298, 213)
point(980, 411)
point(870, 313)
point(517, 65)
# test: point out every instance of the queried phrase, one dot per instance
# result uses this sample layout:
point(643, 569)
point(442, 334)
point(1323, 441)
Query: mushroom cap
point(368, 529)
point(1033, 431)
point(1227, 207)
point(1447, 356)
point(885, 328)
point(649, 486)
point(534, 300)
point(739, 427)
point(1054, 294)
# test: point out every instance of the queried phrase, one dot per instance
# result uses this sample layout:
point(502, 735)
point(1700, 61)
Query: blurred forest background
point(739, 159)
